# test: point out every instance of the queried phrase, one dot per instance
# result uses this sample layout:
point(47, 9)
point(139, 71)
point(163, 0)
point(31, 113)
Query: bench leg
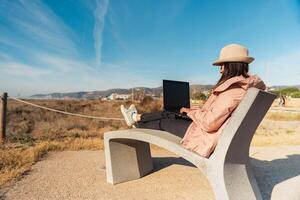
point(127, 160)
point(234, 182)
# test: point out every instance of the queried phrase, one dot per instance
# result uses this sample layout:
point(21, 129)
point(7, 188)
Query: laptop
point(176, 94)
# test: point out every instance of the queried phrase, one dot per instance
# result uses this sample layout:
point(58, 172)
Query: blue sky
point(78, 45)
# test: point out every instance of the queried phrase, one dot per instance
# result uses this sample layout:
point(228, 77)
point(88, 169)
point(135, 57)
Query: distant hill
point(151, 91)
point(99, 94)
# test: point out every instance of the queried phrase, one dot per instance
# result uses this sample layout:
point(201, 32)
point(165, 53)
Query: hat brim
point(233, 59)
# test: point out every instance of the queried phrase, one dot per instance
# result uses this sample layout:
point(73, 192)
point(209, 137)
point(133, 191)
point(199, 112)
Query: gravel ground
point(81, 175)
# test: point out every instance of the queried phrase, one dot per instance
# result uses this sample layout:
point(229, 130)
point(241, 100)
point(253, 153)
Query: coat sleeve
point(256, 81)
point(211, 120)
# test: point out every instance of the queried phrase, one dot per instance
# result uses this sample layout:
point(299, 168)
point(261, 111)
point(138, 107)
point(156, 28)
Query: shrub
point(289, 90)
point(200, 96)
point(295, 95)
point(276, 92)
point(146, 100)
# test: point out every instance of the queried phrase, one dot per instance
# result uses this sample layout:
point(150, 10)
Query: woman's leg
point(176, 126)
point(156, 120)
point(151, 120)
point(173, 125)
point(147, 117)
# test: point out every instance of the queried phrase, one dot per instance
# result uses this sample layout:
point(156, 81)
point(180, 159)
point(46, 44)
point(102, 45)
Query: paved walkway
point(81, 175)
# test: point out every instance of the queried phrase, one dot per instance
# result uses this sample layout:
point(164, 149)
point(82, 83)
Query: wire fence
point(66, 113)
point(115, 118)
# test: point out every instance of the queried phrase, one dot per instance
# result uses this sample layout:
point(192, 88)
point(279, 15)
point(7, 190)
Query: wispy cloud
point(33, 23)
point(99, 13)
point(40, 53)
point(282, 69)
point(44, 56)
point(35, 42)
point(16, 69)
point(53, 73)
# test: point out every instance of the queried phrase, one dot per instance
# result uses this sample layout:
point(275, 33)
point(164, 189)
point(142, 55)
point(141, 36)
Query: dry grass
point(278, 132)
point(276, 140)
point(280, 116)
point(25, 121)
point(32, 132)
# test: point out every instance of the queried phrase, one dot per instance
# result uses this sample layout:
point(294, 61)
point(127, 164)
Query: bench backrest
point(234, 143)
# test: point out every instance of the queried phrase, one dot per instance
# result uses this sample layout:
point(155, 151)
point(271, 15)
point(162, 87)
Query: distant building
point(116, 96)
point(112, 96)
point(104, 98)
point(271, 89)
point(123, 96)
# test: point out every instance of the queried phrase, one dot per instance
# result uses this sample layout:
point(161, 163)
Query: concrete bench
point(228, 169)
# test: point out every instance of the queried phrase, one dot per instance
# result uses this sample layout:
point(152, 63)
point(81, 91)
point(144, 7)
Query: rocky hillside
point(99, 94)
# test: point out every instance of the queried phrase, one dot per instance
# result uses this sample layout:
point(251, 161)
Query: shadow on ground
point(270, 173)
point(163, 162)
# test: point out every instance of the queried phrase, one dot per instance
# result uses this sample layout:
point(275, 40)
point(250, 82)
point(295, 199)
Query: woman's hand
point(185, 110)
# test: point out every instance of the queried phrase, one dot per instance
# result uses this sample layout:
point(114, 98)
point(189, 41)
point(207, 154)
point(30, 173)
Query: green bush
point(295, 95)
point(276, 92)
point(199, 96)
point(289, 91)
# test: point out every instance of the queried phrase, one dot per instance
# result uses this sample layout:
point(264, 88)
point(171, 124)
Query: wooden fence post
point(3, 109)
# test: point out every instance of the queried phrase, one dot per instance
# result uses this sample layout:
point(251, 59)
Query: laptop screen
point(176, 94)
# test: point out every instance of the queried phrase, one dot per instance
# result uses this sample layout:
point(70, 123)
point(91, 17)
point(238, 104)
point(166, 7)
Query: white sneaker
point(133, 108)
point(128, 114)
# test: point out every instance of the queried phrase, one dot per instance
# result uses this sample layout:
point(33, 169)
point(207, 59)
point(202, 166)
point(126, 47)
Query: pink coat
point(208, 122)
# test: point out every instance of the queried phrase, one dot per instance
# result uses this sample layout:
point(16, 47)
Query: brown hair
point(232, 69)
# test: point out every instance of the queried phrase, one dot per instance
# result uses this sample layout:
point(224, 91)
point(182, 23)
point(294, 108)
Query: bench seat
point(228, 169)
point(162, 139)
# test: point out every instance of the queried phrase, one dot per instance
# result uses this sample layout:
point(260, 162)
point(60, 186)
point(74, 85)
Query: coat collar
point(237, 79)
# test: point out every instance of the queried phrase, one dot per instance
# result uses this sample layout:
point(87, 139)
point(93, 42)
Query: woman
point(201, 133)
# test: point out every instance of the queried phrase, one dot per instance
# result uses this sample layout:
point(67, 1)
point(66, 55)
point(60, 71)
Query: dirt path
point(81, 175)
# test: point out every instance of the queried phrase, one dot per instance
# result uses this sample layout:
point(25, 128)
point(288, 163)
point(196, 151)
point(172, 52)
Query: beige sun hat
point(233, 53)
